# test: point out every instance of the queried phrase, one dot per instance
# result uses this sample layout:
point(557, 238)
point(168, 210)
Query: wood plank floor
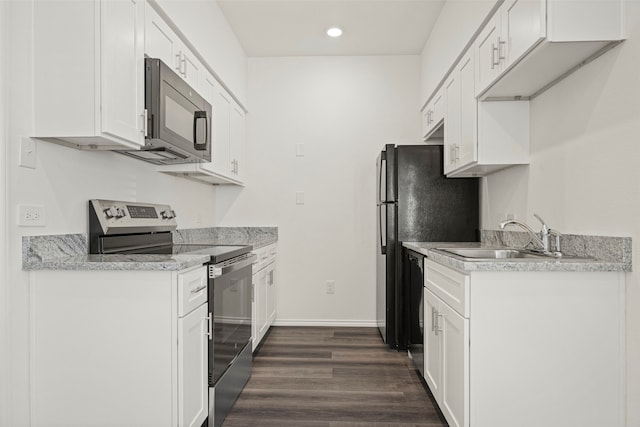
point(332, 377)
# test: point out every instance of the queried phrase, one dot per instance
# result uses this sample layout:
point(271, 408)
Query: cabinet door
point(271, 294)
point(191, 69)
point(487, 47)
point(209, 86)
point(261, 304)
point(451, 122)
point(432, 355)
point(454, 398)
point(236, 140)
point(193, 368)
point(438, 108)
point(254, 311)
point(122, 69)
point(468, 112)
point(221, 131)
point(523, 26)
point(160, 41)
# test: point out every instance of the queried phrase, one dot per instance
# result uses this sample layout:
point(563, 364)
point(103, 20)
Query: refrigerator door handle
point(383, 246)
point(383, 167)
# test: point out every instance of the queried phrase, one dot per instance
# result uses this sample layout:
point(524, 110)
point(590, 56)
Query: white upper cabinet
point(488, 48)
point(481, 137)
point(531, 44)
point(162, 42)
point(432, 117)
point(88, 73)
point(227, 124)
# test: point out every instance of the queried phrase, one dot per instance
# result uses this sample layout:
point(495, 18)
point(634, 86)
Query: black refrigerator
point(416, 203)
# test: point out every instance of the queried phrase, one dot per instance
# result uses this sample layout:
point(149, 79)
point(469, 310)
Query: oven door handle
point(218, 270)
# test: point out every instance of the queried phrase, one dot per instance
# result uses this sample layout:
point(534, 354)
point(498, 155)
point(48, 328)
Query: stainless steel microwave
point(178, 119)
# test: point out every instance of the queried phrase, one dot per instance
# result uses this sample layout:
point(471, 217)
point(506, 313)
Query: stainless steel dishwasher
point(414, 280)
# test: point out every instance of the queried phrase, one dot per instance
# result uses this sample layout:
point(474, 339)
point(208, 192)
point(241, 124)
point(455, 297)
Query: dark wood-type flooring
point(332, 377)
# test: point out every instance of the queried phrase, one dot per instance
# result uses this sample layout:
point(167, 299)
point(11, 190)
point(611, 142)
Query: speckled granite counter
point(70, 251)
point(608, 253)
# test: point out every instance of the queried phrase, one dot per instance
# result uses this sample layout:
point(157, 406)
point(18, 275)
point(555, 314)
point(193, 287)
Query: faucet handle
point(545, 228)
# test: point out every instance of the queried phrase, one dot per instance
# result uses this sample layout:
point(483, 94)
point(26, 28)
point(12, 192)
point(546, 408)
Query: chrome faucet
point(545, 232)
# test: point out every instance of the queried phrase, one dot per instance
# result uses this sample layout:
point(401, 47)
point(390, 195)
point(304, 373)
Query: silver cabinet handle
point(144, 128)
point(184, 62)
point(494, 50)
point(198, 289)
point(438, 330)
point(209, 326)
point(178, 61)
point(501, 43)
point(433, 319)
point(457, 152)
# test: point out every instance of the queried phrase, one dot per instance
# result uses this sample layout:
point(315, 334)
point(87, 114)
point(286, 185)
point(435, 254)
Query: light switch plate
point(299, 197)
point(27, 153)
point(300, 150)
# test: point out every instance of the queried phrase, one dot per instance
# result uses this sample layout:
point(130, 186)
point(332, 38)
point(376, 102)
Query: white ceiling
point(298, 27)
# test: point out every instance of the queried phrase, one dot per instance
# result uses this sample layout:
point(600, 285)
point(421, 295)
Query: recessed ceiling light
point(334, 32)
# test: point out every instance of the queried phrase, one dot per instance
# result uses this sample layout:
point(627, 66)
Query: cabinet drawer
point(451, 286)
point(192, 290)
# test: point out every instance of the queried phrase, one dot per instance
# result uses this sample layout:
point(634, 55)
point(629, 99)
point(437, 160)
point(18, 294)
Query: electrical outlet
point(31, 216)
point(299, 197)
point(299, 150)
point(331, 286)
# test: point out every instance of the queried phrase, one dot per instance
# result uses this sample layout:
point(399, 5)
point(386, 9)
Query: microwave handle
point(198, 115)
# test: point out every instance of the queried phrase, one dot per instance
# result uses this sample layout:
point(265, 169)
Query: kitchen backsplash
point(257, 236)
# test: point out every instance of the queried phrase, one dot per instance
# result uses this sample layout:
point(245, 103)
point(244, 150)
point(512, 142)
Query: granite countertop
point(70, 251)
point(120, 262)
point(514, 264)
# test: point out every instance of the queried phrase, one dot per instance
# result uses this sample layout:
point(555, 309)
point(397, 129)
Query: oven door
point(179, 119)
point(230, 297)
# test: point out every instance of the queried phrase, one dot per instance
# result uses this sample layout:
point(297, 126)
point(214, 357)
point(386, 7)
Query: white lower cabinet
point(193, 367)
point(525, 348)
point(119, 348)
point(264, 293)
point(446, 339)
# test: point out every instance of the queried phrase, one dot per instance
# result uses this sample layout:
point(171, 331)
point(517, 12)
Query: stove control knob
point(168, 214)
point(114, 212)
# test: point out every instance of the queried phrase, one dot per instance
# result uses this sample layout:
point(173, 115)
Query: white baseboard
point(333, 323)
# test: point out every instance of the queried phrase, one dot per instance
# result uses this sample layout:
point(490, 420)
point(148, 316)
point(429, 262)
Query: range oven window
point(231, 317)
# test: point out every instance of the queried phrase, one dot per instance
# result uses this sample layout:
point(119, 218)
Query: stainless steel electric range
point(117, 227)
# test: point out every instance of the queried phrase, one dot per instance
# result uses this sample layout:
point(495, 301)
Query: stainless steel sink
point(483, 254)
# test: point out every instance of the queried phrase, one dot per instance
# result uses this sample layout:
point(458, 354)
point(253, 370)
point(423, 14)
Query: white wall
point(63, 182)
point(458, 21)
point(584, 176)
point(4, 302)
point(343, 109)
point(207, 29)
